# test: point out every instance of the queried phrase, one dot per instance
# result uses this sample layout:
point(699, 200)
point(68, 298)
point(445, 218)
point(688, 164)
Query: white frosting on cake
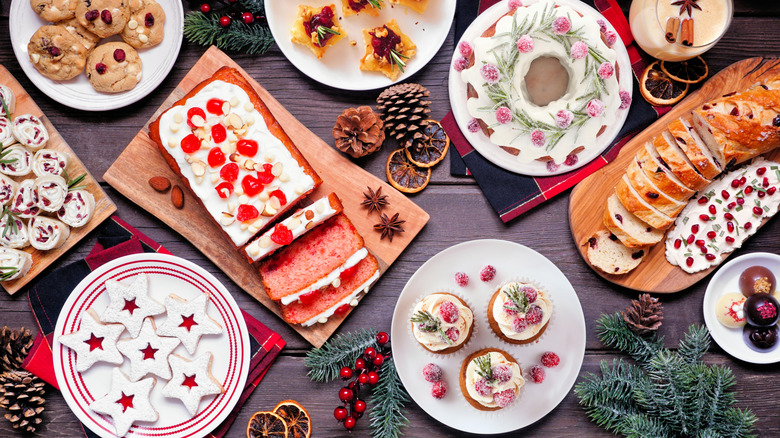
point(585, 83)
point(352, 299)
point(433, 340)
point(505, 319)
point(291, 178)
point(514, 383)
point(329, 279)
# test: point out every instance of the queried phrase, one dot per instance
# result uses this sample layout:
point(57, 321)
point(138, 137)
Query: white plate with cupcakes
point(100, 56)
point(151, 344)
point(542, 88)
point(741, 307)
point(488, 329)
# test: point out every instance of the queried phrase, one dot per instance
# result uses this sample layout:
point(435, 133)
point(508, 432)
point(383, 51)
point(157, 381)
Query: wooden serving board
point(589, 197)
point(141, 160)
point(104, 207)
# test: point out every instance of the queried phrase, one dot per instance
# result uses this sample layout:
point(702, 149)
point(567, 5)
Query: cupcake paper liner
point(537, 286)
point(498, 412)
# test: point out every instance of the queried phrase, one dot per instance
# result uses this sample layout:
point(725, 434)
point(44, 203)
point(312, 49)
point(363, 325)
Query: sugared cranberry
point(439, 390)
point(502, 373)
point(483, 388)
point(534, 315)
point(92, 15)
point(519, 325)
point(504, 398)
point(453, 334)
point(537, 374)
point(487, 273)
point(105, 15)
point(530, 293)
point(550, 359)
point(449, 312)
point(432, 372)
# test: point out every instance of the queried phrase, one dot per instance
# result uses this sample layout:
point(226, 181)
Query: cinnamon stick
point(686, 35)
point(672, 27)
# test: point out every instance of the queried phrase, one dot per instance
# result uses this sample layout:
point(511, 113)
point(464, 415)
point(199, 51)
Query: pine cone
point(21, 394)
point(359, 132)
point(14, 347)
point(403, 109)
point(645, 314)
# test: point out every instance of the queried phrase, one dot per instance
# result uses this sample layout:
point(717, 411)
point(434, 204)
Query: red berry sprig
point(229, 11)
point(365, 372)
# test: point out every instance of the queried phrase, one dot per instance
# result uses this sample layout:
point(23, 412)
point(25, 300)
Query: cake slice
point(312, 262)
point(639, 207)
point(628, 228)
point(664, 148)
point(285, 232)
point(696, 150)
point(334, 300)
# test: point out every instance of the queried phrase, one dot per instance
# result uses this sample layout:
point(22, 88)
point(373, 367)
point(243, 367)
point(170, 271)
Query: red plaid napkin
point(511, 194)
point(116, 238)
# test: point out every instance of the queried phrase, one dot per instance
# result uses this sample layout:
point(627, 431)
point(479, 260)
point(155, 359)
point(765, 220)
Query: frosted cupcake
point(490, 379)
point(519, 313)
point(442, 323)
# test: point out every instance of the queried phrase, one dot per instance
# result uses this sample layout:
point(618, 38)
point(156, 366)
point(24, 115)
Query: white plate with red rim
point(493, 152)
point(77, 92)
point(565, 335)
point(167, 274)
point(340, 66)
point(727, 280)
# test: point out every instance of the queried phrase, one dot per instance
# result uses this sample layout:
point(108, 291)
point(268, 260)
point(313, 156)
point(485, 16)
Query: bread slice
point(661, 175)
point(650, 193)
point(664, 148)
point(639, 207)
point(696, 149)
point(607, 253)
point(628, 228)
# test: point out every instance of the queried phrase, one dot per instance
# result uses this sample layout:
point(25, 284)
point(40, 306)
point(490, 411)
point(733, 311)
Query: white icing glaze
point(504, 319)
point(30, 132)
point(327, 280)
point(496, 358)
point(22, 163)
point(322, 318)
point(52, 191)
point(578, 93)
point(124, 417)
point(321, 210)
point(433, 340)
point(690, 218)
point(77, 209)
point(6, 132)
point(46, 233)
point(271, 150)
point(20, 260)
point(49, 162)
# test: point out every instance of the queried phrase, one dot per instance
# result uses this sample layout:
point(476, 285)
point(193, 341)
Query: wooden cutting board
point(589, 197)
point(141, 160)
point(104, 207)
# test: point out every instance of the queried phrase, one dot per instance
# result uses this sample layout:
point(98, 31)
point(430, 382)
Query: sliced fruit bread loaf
point(628, 228)
point(639, 207)
point(606, 253)
point(696, 150)
point(664, 148)
point(645, 188)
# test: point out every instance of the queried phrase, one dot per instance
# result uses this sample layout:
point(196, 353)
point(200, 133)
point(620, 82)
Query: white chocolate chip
point(336, 282)
point(132, 24)
point(264, 196)
point(143, 38)
point(178, 118)
point(265, 241)
point(214, 177)
point(248, 107)
point(35, 58)
point(277, 169)
point(253, 229)
point(239, 190)
point(243, 199)
point(244, 226)
point(234, 101)
point(249, 119)
point(320, 207)
point(175, 127)
point(293, 223)
point(269, 156)
point(284, 177)
point(140, 30)
point(300, 189)
point(227, 220)
point(198, 168)
point(354, 302)
point(172, 143)
point(253, 250)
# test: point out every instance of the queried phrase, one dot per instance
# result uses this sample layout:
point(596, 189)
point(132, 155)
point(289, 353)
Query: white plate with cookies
point(230, 349)
point(564, 335)
point(77, 92)
point(339, 67)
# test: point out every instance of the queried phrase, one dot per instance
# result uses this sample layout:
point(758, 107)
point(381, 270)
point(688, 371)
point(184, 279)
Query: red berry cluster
point(365, 372)
point(229, 10)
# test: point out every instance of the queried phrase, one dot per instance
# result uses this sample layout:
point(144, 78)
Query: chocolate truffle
point(761, 310)
point(757, 280)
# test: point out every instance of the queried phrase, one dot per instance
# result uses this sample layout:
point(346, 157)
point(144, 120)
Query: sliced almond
point(197, 121)
point(226, 107)
point(275, 203)
point(248, 107)
point(214, 177)
point(234, 101)
point(233, 157)
point(265, 242)
point(269, 210)
point(293, 223)
point(232, 205)
point(249, 164)
point(277, 169)
point(198, 168)
point(243, 199)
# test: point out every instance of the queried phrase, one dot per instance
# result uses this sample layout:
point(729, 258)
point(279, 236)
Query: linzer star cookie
point(94, 342)
point(126, 402)
point(130, 304)
point(188, 320)
point(148, 353)
point(191, 381)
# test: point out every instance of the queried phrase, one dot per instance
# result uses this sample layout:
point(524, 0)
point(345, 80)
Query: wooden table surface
point(458, 211)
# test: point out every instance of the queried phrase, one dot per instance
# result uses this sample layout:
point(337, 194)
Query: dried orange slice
point(296, 417)
point(659, 89)
point(430, 146)
point(691, 71)
point(266, 425)
point(404, 175)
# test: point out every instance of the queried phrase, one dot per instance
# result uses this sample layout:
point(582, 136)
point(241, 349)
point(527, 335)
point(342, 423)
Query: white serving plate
point(727, 280)
point(77, 92)
point(494, 153)
point(340, 66)
point(565, 335)
point(167, 274)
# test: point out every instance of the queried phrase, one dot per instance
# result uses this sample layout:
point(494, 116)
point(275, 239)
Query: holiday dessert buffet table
point(458, 213)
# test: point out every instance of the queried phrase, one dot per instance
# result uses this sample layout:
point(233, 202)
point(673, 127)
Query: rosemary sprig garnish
point(5, 107)
point(519, 299)
point(10, 221)
point(3, 154)
point(375, 3)
point(7, 272)
point(322, 32)
point(396, 58)
point(484, 368)
point(430, 324)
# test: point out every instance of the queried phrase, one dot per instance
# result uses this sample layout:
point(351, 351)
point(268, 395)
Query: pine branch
point(205, 30)
point(608, 400)
point(737, 423)
point(388, 398)
point(253, 6)
point(695, 344)
point(666, 370)
point(644, 426)
point(614, 332)
point(325, 363)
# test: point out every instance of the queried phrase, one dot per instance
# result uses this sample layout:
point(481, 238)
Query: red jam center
point(358, 5)
point(324, 18)
point(385, 44)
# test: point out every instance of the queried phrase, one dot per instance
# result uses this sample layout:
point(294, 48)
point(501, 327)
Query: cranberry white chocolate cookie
point(94, 342)
point(191, 381)
point(130, 303)
point(145, 25)
point(88, 39)
point(54, 10)
point(126, 402)
point(188, 320)
point(114, 67)
point(56, 54)
point(148, 353)
point(442, 323)
point(102, 17)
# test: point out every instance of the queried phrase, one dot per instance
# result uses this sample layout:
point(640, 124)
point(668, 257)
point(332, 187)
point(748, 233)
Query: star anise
point(388, 226)
point(686, 5)
point(374, 200)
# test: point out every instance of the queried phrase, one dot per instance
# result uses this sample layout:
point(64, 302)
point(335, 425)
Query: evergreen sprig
point(5, 107)
point(668, 394)
point(7, 272)
point(325, 363)
point(519, 299)
point(429, 323)
point(9, 216)
point(205, 30)
point(388, 398)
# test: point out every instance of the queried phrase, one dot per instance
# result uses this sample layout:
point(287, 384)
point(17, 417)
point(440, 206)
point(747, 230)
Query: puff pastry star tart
point(387, 50)
point(415, 5)
point(317, 28)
